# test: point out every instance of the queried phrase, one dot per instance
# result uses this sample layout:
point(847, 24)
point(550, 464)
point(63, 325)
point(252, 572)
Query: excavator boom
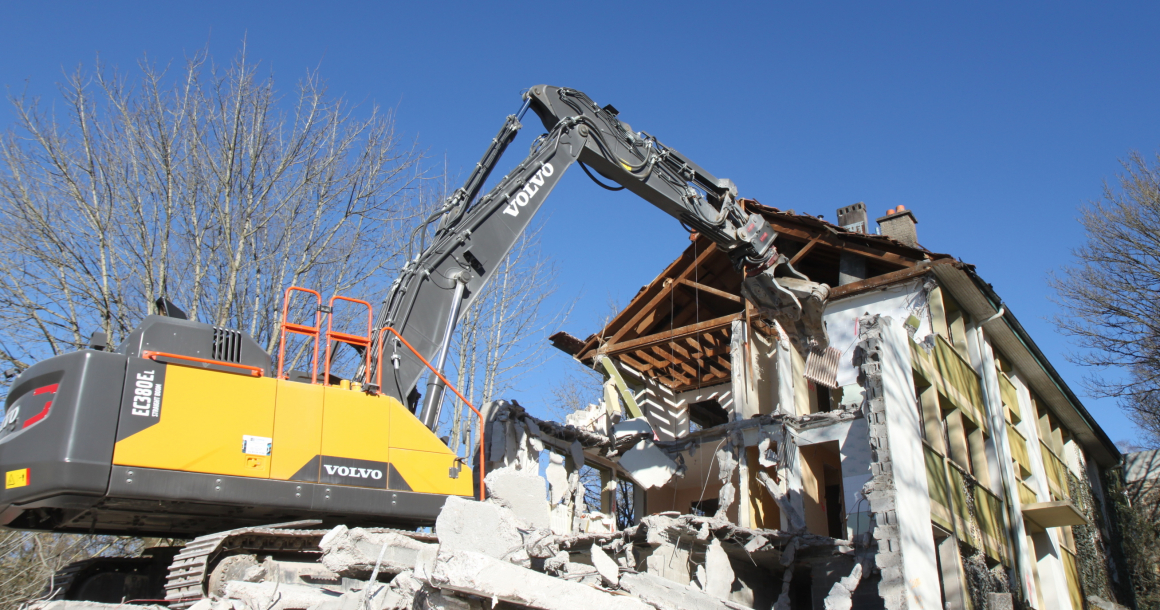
point(474, 235)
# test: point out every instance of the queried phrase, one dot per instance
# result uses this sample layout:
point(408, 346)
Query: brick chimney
point(853, 217)
point(899, 224)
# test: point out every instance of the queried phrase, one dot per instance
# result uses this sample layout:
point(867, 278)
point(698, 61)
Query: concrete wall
point(915, 538)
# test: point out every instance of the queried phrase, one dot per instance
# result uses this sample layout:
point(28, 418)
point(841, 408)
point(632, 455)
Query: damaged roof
point(676, 329)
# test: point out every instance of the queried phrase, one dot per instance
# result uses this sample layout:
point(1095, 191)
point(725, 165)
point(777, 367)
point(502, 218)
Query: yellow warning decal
point(16, 478)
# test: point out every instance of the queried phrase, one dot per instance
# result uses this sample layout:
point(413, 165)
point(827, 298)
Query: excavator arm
point(474, 234)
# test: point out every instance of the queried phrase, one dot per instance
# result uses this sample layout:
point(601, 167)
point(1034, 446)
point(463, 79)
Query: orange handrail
point(482, 432)
point(255, 371)
point(299, 329)
point(347, 338)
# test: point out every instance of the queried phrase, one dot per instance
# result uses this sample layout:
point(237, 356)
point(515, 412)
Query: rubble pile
point(489, 556)
point(535, 544)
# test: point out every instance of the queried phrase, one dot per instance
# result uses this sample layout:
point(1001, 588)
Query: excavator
point(192, 431)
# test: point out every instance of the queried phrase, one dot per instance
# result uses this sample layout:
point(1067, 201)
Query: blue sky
point(992, 122)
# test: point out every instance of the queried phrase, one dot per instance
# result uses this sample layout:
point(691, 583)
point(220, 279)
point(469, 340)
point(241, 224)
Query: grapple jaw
point(782, 293)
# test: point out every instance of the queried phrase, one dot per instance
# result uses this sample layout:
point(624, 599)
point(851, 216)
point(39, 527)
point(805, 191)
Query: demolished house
point(930, 457)
point(926, 456)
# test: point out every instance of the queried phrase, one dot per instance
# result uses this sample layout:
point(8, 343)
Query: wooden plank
point(804, 251)
point(674, 362)
point(656, 300)
point(666, 336)
point(638, 300)
point(879, 281)
point(711, 290)
point(833, 241)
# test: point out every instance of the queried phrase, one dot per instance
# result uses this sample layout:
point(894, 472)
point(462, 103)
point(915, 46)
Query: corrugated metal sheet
point(822, 367)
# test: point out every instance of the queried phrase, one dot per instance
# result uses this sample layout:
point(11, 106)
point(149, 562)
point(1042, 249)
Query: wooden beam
point(711, 290)
point(841, 244)
point(804, 251)
point(674, 362)
point(879, 281)
point(656, 300)
point(666, 336)
point(659, 366)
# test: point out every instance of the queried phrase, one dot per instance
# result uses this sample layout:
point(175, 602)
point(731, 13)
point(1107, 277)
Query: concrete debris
point(480, 527)
point(649, 465)
point(431, 598)
point(841, 594)
point(1003, 601)
point(765, 454)
point(665, 594)
point(594, 419)
point(489, 578)
point(631, 427)
point(609, 570)
point(353, 553)
point(718, 570)
point(71, 605)
point(577, 454)
point(278, 596)
point(522, 492)
point(557, 476)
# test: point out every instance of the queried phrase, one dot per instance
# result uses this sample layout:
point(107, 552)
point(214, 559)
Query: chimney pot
point(899, 224)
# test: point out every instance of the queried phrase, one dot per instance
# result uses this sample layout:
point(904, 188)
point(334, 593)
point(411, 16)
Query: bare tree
point(1111, 295)
point(200, 186)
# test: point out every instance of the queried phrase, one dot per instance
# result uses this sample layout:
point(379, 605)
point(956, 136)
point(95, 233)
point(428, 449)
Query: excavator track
point(131, 577)
point(191, 568)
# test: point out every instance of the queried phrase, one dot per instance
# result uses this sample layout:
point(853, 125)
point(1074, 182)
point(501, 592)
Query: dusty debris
point(355, 552)
point(522, 492)
point(71, 605)
point(609, 569)
point(489, 578)
point(649, 465)
point(480, 527)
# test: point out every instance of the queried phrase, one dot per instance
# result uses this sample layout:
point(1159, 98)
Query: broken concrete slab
point(431, 598)
point(524, 493)
point(278, 596)
point(649, 465)
point(604, 564)
point(481, 527)
point(718, 570)
point(632, 427)
point(354, 552)
point(73, 605)
point(487, 577)
point(667, 595)
point(581, 573)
